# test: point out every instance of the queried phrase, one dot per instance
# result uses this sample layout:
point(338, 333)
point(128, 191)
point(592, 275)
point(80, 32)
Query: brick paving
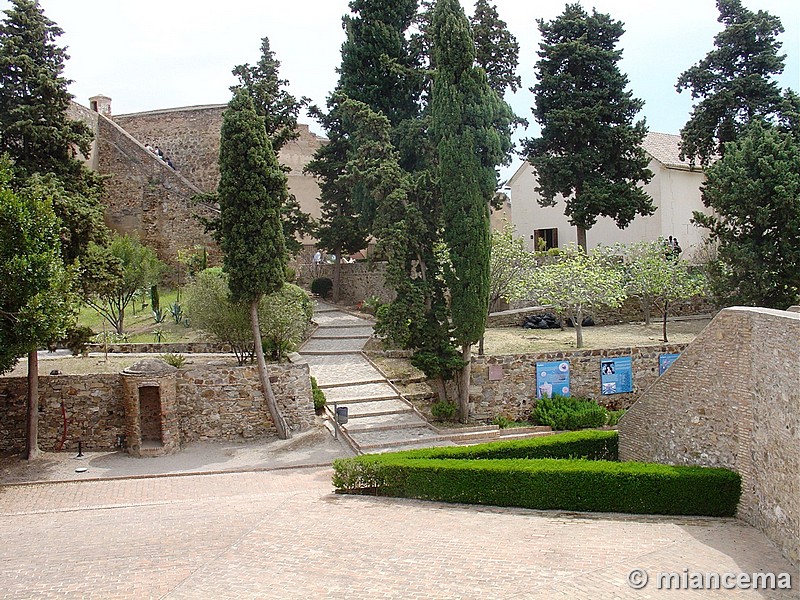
point(284, 535)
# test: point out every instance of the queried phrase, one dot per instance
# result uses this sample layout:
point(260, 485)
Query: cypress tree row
point(470, 125)
point(251, 189)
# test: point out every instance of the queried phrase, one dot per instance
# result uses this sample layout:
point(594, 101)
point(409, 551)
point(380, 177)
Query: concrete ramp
point(732, 399)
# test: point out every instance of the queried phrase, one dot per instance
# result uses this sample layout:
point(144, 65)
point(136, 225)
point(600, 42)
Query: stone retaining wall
point(733, 400)
point(514, 394)
point(162, 348)
point(214, 402)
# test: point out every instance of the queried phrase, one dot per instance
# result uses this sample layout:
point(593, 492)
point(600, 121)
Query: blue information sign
point(552, 379)
point(664, 361)
point(616, 375)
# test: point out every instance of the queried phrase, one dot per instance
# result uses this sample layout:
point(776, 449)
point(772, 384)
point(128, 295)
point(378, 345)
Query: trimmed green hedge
point(591, 445)
point(508, 474)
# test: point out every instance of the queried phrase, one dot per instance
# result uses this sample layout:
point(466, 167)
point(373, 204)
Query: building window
point(544, 239)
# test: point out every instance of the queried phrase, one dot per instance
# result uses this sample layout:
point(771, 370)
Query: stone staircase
point(379, 417)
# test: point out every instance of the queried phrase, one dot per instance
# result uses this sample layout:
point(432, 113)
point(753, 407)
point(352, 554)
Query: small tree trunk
point(581, 237)
point(441, 389)
point(269, 396)
point(480, 345)
point(578, 322)
point(118, 325)
point(664, 325)
point(32, 422)
point(645, 304)
point(463, 387)
point(337, 273)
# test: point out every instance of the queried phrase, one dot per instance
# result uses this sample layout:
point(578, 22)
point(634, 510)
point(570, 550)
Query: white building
point(675, 190)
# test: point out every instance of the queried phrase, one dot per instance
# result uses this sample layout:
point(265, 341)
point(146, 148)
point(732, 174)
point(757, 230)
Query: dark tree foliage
point(35, 130)
point(734, 82)
point(496, 50)
point(590, 150)
point(252, 188)
point(754, 191)
point(470, 125)
point(280, 109)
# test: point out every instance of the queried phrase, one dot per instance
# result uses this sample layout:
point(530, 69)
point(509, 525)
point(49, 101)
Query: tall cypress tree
point(734, 82)
point(496, 50)
point(251, 189)
point(470, 125)
point(590, 150)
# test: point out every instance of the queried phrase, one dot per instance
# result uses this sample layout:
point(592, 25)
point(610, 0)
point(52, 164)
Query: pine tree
point(590, 151)
point(470, 125)
point(251, 189)
point(733, 82)
point(496, 50)
point(754, 192)
point(279, 109)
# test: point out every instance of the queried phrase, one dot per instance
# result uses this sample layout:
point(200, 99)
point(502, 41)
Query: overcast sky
point(152, 54)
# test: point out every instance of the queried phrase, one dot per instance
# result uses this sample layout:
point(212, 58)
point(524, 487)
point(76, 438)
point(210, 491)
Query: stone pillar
point(151, 408)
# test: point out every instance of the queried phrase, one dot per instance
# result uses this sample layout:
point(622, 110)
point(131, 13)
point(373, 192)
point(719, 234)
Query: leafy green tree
point(251, 189)
point(470, 125)
point(656, 277)
point(133, 267)
point(578, 284)
point(280, 109)
point(283, 315)
point(36, 303)
point(510, 265)
point(590, 150)
point(754, 192)
point(734, 82)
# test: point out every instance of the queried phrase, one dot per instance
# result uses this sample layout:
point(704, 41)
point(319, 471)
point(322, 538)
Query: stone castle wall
point(514, 394)
point(214, 402)
point(147, 198)
point(733, 400)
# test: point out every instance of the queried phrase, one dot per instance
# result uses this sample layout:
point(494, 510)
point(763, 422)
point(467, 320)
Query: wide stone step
point(379, 390)
point(337, 319)
point(332, 346)
point(342, 332)
point(384, 422)
point(376, 408)
point(392, 438)
point(342, 369)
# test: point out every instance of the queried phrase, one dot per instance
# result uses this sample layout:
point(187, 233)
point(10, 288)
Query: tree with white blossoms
point(655, 276)
point(579, 283)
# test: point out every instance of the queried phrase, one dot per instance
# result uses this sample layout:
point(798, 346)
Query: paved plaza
point(283, 534)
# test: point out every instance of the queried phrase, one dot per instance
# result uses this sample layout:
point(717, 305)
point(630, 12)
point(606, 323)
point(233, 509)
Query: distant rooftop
point(665, 148)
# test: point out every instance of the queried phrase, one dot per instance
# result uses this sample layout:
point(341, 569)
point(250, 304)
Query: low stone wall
point(733, 400)
point(162, 348)
point(227, 402)
point(357, 281)
point(214, 402)
point(514, 394)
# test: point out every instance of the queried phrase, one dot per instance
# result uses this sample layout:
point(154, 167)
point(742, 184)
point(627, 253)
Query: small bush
point(176, 360)
point(77, 338)
point(443, 410)
point(502, 422)
point(614, 416)
point(564, 413)
point(319, 397)
point(322, 287)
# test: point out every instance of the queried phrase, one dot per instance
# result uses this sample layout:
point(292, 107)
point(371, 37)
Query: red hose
point(64, 434)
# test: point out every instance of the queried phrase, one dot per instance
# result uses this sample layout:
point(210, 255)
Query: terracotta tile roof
point(665, 148)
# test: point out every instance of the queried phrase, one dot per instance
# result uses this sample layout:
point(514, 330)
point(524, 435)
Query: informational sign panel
point(616, 375)
point(552, 379)
point(664, 361)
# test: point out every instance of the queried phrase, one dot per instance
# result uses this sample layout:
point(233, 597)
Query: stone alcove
point(151, 420)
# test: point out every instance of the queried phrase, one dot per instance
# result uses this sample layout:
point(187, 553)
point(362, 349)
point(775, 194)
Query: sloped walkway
point(379, 417)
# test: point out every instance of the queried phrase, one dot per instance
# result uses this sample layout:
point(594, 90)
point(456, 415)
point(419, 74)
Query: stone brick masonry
point(733, 400)
point(214, 402)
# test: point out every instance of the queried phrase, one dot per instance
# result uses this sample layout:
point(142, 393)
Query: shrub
point(614, 416)
point(176, 360)
point(567, 413)
point(284, 316)
point(600, 486)
point(322, 286)
point(319, 396)
point(502, 421)
point(443, 410)
point(549, 472)
point(77, 338)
